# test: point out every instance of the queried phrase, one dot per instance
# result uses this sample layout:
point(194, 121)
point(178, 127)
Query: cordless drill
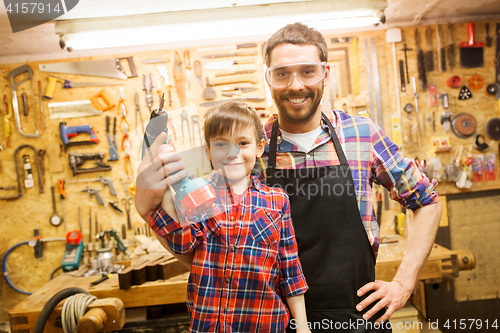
point(192, 196)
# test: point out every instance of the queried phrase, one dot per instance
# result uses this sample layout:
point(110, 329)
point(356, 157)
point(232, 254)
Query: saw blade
point(100, 68)
point(493, 128)
point(72, 109)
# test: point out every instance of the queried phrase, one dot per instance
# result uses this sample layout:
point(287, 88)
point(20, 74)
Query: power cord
point(73, 310)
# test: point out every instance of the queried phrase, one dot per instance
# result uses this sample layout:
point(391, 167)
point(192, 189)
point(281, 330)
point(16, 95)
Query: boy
point(245, 254)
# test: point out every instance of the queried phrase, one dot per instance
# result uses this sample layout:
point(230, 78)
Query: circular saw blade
point(464, 125)
point(493, 128)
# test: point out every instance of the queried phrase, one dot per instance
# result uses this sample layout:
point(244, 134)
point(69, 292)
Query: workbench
point(442, 263)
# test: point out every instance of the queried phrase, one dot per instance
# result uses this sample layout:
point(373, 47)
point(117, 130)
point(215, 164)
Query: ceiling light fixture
point(85, 34)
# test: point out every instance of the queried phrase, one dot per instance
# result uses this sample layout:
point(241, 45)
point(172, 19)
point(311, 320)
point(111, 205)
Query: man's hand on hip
point(154, 176)
point(391, 295)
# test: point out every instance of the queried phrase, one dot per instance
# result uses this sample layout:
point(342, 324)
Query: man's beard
point(292, 116)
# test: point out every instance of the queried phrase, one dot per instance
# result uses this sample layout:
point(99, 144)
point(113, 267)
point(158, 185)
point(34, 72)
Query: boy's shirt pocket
point(266, 226)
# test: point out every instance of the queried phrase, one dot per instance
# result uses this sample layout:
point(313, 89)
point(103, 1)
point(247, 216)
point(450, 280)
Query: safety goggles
point(306, 73)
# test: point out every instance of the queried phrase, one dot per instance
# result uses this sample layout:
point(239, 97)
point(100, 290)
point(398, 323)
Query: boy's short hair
point(298, 34)
point(230, 116)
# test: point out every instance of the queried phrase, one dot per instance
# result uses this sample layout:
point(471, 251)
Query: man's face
point(235, 153)
point(297, 103)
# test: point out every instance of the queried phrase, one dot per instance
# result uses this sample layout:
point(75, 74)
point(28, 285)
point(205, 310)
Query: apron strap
point(271, 163)
point(333, 135)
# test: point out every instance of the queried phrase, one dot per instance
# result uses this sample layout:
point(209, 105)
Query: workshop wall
point(33, 209)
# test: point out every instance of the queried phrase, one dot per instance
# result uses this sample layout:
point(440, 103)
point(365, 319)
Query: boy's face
point(235, 153)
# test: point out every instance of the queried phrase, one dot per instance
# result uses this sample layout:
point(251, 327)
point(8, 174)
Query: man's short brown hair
point(298, 34)
point(228, 117)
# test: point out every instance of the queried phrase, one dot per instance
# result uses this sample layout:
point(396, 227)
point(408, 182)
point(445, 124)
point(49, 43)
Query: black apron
point(336, 255)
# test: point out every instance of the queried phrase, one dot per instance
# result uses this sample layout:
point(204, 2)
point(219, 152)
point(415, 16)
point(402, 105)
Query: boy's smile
point(233, 155)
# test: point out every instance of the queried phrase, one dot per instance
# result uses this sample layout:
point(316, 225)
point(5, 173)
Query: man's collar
point(268, 125)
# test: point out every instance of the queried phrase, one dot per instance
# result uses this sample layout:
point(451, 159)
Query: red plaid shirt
point(245, 260)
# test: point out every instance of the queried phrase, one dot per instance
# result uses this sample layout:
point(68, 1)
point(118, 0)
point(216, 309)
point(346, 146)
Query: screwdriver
point(61, 184)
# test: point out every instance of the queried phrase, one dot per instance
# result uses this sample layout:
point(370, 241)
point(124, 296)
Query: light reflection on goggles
point(306, 73)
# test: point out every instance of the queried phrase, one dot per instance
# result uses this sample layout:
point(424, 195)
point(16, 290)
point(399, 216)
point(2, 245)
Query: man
point(326, 161)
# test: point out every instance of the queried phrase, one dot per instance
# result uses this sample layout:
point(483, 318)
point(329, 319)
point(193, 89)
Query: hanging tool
point(192, 196)
point(441, 51)
point(233, 54)
point(6, 120)
point(62, 193)
point(406, 63)
point(187, 63)
point(164, 75)
point(72, 109)
point(489, 40)
point(230, 47)
point(73, 251)
point(415, 97)
point(429, 53)
point(114, 134)
point(126, 146)
point(19, 188)
point(28, 173)
point(111, 68)
point(67, 84)
point(114, 205)
point(476, 82)
point(102, 101)
point(422, 74)
point(209, 92)
point(80, 219)
point(464, 94)
point(155, 61)
point(41, 158)
point(77, 159)
point(238, 89)
point(184, 119)
point(93, 191)
point(433, 97)
point(471, 52)
point(113, 154)
point(55, 219)
point(402, 76)
point(451, 50)
point(493, 128)
point(197, 72)
point(138, 112)
point(243, 71)
point(15, 105)
point(105, 181)
point(127, 203)
point(24, 99)
point(40, 101)
point(195, 122)
point(179, 80)
point(231, 80)
point(67, 132)
point(444, 99)
point(463, 125)
point(220, 65)
point(254, 99)
point(149, 94)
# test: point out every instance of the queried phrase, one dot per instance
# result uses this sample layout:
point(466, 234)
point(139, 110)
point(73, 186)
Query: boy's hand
point(154, 176)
